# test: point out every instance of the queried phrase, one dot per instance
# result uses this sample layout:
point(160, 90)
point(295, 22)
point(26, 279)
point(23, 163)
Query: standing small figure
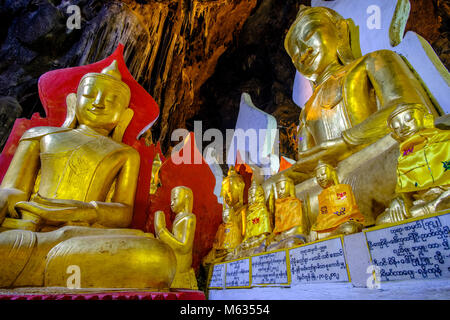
point(181, 239)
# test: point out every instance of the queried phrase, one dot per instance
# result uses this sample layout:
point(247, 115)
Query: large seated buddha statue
point(78, 182)
point(353, 95)
point(344, 120)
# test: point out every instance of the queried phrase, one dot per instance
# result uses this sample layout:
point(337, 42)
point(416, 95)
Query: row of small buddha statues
point(78, 182)
point(278, 221)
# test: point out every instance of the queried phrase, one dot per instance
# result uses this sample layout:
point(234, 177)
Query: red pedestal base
point(124, 295)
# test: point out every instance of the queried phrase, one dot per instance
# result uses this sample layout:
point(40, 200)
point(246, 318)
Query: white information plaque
point(414, 250)
point(270, 269)
point(238, 274)
point(217, 280)
point(322, 261)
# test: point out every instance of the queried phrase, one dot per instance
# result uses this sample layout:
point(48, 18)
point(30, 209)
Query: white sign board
point(414, 250)
point(238, 274)
point(217, 276)
point(270, 269)
point(322, 261)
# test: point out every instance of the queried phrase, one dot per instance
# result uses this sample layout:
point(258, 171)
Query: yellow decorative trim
point(345, 259)
point(393, 224)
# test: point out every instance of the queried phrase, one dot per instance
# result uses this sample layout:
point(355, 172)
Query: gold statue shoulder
point(39, 132)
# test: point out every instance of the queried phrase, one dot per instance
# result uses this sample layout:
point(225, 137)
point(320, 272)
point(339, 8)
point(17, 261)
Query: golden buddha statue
point(258, 225)
point(290, 223)
point(78, 182)
point(231, 230)
point(155, 182)
point(181, 239)
point(423, 169)
point(339, 213)
point(352, 96)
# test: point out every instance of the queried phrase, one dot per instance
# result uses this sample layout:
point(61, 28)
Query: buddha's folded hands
point(8, 199)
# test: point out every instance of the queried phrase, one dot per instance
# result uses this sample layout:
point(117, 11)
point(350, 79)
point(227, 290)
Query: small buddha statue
point(290, 223)
point(339, 213)
point(181, 239)
point(423, 169)
point(258, 225)
point(230, 232)
point(78, 183)
point(155, 182)
point(352, 95)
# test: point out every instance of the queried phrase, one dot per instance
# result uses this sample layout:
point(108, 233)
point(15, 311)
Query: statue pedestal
point(387, 262)
point(96, 294)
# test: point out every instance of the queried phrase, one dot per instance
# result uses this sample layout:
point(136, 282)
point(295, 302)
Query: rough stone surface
point(195, 57)
point(10, 110)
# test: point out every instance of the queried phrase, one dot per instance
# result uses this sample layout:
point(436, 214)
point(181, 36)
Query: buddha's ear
point(428, 120)
point(125, 120)
point(241, 196)
point(71, 119)
point(292, 191)
point(335, 177)
point(348, 38)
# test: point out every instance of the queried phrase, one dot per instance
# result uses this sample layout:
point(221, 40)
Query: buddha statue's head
point(326, 175)
point(233, 188)
point(181, 199)
point(318, 38)
point(102, 99)
point(255, 193)
point(285, 187)
point(408, 119)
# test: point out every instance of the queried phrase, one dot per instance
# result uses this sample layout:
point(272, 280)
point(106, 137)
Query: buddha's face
point(312, 45)
point(407, 123)
point(284, 188)
point(100, 103)
point(232, 192)
point(324, 177)
point(255, 195)
point(177, 200)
